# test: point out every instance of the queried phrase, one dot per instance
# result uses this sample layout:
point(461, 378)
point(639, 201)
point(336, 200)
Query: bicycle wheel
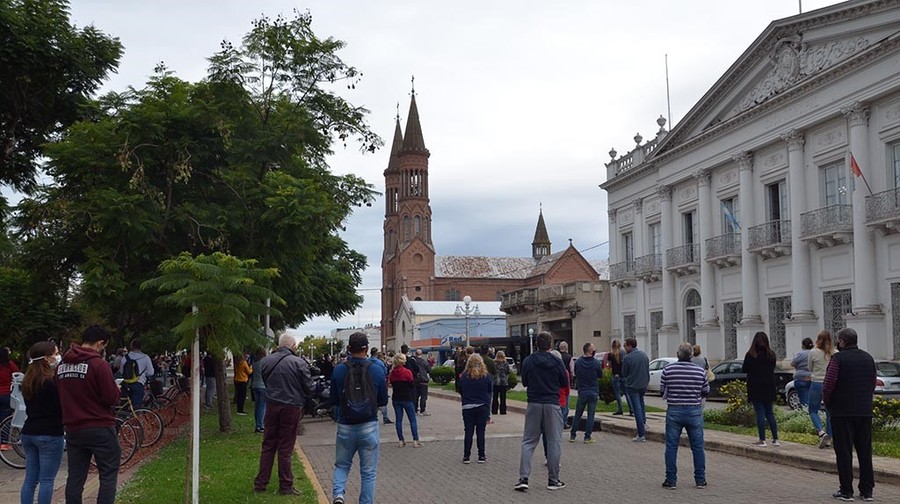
point(166, 410)
point(14, 456)
point(129, 441)
point(151, 425)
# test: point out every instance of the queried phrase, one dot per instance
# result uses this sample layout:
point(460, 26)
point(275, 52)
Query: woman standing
point(7, 368)
point(242, 373)
point(614, 357)
point(475, 386)
point(818, 364)
point(401, 380)
point(759, 365)
point(800, 363)
point(42, 435)
point(258, 390)
point(501, 383)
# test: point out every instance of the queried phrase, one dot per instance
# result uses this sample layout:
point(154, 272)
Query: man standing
point(375, 358)
point(567, 359)
point(683, 385)
point(87, 394)
point(636, 373)
point(847, 392)
point(358, 388)
point(137, 368)
point(422, 382)
point(543, 375)
point(588, 372)
point(413, 366)
point(288, 384)
point(209, 378)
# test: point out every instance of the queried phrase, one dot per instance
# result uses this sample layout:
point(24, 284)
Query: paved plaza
point(612, 470)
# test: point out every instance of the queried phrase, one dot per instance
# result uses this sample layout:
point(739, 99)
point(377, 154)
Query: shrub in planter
point(442, 375)
point(739, 411)
point(606, 387)
point(886, 413)
point(513, 380)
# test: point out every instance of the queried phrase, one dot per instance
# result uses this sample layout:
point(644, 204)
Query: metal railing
point(723, 245)
point(830, 219)
point(648, 264)
point(525, 297)
point(621, 271)
point(770, 234)
point(883, 206)
point(683, 256)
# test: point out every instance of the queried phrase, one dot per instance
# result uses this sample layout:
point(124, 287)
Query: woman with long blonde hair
point(818, 364)
point(614, 358)
point(501, 383)
point(475, 387)
point(42, 435)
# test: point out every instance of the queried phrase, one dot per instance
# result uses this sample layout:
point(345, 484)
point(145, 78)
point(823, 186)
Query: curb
point(311, 474)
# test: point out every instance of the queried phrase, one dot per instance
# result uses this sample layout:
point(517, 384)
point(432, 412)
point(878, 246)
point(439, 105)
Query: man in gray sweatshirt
point(636, 373)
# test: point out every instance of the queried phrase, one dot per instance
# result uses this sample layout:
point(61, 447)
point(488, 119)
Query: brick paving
point(614, 469)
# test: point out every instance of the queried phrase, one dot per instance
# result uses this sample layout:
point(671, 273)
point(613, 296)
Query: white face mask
point(56, 360)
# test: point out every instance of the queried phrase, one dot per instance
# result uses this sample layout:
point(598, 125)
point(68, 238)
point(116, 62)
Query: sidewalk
point(887, 470)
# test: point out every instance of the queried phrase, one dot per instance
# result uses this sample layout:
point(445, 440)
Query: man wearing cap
point(288, 384)
point(87, 394)
point(361, 434)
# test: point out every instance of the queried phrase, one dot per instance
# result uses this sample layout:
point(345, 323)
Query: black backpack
point(130, 371)
point(359, 401)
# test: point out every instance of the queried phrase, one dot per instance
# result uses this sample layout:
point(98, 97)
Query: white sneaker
point(639, 439)
point(760, 443)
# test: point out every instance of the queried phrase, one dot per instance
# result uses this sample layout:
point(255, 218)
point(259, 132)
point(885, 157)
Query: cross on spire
point(398, 111)
point(413, 91)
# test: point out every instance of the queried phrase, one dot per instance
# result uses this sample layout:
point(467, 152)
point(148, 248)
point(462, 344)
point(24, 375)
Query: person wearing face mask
point(42, 435)
point(87, 393)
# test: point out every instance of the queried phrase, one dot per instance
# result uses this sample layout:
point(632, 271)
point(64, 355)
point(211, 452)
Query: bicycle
point(148, 424)
point(11, 426)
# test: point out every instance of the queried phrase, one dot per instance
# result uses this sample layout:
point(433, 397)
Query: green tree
point(233, 164)
point(317, 346)
point(223, 298)
point(48, 70)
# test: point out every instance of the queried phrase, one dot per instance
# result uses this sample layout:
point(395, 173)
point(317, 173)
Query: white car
point(887, 383)
point(656, 369)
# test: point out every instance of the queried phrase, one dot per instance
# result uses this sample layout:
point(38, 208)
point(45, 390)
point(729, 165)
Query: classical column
point(640, 308)
point(668, 333)
point(867, 317)
point(801, 299)
point(707, 270)
point(615, 292)
point(751, 321)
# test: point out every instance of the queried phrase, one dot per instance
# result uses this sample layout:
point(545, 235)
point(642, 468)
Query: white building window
point(731, 215)
point(628, 241)
point(690, 227)
point(834, 183)
point(655, 239)
point(895, 164)
point(776, 201)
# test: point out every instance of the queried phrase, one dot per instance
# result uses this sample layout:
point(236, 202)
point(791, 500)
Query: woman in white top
point(818, 364)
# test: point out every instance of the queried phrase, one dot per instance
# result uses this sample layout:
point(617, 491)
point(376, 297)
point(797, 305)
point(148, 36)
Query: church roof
point(448, 308)
point(394, 161)
point(540, 233)
point(545, 263)
point(412, 139)
point(517, 268)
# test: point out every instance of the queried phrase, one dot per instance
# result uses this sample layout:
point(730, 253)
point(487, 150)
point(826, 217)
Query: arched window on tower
point(417, 226)
point(396, 200)
point(405, 228)
point(414, 183)
point(390, 244)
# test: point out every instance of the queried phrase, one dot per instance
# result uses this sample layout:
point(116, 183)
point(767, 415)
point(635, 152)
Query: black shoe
point(669, 485)
point(387, 421)
point(258, 431)
point(466, 460)
point(521, 485)
point(482, 460)
point(846, 497)
point(555, 485)
point(618, 413)
point(338, 500)
point(701, 485)
point(868, 497)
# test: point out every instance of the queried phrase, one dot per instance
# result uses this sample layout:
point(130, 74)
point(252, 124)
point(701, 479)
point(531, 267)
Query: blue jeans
point(410, 409)
point(802, 387)
point(636, 403)
point(259, 406)
point(43, 455)
point(815, 404)
point(5, 411)
point(350, 439)
point(135, 391)
point(474, 422)
point(765, 413)
point(618, 387)
point(586, 400)
point(689, 418)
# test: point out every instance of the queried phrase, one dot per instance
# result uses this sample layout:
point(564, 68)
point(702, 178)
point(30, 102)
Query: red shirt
point(564, 393)
point(6, 372)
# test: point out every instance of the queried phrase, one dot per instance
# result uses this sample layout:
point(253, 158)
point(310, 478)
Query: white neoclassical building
point(749, 214)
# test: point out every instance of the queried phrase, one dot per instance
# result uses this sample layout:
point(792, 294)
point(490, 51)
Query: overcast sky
point(520, 101)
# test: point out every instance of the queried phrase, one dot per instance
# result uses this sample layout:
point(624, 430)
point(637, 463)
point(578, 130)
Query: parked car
point(729, 371)
point(604, 362)
point(656, 369)
point(450, 363)
point(887, 383)
point(512, 364)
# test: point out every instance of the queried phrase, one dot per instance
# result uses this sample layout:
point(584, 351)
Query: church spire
point(394, 161)
point(412, 139)
point(540, 247)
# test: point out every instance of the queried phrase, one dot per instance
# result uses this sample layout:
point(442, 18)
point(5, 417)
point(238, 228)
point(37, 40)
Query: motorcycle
point(319, 405)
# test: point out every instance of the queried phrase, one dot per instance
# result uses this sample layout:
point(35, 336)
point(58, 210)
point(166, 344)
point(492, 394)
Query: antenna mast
point(668, 99)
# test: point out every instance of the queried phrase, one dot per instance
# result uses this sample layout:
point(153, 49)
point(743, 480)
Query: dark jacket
point(636, 370)
point(286, 377)
point(587, 371)
point(501, 376)
point(760, 377)
point(87, 390)
point(850, 383)
point(337, 386)
point(403, 383)
point(475, 391)
point(615, 365)
point(44, 412)
point(543, 375)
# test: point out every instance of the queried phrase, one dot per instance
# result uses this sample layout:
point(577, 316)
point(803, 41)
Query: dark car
point(729, 371)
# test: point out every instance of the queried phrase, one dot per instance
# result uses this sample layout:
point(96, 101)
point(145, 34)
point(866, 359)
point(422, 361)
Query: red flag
point(854, 167)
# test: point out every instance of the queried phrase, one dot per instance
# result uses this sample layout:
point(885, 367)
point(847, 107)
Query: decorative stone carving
point(793, 61)
point(794, 139)
point(744, 160)
point(728, 178)
point(703, 177)
point(856, 113)
point(626, 217)
point(652, 207)
point(638, 205)
point(665, 192)
point(830, 138)
point(891, 114)
point(612, 216)
point(687, 193)
point(775, 160)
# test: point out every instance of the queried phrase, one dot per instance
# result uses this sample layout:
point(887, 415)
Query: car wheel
point(793, 400)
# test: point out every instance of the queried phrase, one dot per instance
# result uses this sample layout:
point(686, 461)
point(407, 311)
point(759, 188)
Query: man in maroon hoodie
point(87, 393)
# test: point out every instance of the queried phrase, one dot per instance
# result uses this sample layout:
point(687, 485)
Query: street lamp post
point(530, 340)
point(467, 311)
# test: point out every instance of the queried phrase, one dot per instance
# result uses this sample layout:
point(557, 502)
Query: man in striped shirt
point(683, 385)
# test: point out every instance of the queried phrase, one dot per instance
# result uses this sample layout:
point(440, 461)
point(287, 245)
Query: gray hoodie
point(636, 370)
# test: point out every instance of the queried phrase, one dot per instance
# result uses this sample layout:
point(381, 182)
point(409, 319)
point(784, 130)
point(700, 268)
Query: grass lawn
point(884, 443)
point(521, 396)
point(228, 465)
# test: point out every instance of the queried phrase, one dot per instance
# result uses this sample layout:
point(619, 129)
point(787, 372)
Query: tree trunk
point(222, 400)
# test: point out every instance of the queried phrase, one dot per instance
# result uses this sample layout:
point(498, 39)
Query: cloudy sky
point(520, 100)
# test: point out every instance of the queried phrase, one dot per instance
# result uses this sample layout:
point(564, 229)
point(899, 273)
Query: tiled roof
point(448, 308)
point(412, 139)
point(483, 267)
point(545, 263)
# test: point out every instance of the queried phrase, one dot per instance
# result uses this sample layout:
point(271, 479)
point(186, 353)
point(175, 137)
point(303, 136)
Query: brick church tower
point(407, 263)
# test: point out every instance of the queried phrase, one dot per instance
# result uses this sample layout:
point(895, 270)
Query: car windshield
point(720, 368)
point(888, 370)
